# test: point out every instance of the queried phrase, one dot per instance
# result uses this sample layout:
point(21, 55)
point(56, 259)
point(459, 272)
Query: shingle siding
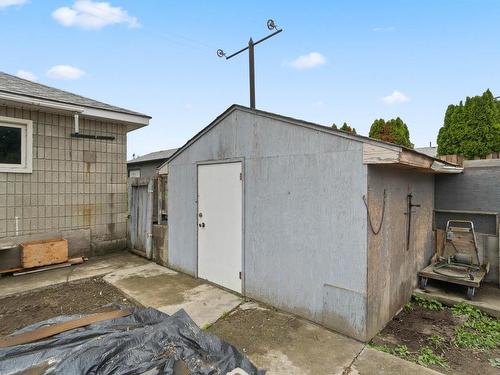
point(75, 184)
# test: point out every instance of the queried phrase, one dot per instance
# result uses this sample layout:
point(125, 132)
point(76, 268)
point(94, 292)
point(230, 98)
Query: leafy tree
point(334, 126)
point(394, 131)
point(471, 128)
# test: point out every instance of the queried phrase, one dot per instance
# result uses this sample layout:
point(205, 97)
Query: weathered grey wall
point(76, 184)
point(392, 269)
point(476, 189)
point(304, 219)
point(148, 169)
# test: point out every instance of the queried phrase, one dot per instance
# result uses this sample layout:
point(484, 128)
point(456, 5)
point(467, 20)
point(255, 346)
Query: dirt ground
point(268, 328)
point(82, 297)
point(417, 327)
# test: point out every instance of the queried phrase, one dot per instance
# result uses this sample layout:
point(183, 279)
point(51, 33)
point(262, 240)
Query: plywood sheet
point(44, 252)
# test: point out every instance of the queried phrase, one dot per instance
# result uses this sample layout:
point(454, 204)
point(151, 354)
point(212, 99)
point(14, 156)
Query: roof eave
point(132, 121)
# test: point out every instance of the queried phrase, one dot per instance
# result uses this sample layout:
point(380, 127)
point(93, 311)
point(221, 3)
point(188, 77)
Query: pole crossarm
point(254, 43)
point(251, 63)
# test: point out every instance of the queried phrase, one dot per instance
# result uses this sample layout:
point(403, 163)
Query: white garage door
point(220, 224)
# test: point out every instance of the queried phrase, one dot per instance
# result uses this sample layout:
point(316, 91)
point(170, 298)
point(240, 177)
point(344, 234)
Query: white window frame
point(26, 127)
point(134, 170)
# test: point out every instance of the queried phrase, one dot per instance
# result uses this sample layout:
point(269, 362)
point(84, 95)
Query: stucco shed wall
point(304, 218)
point(392, 270)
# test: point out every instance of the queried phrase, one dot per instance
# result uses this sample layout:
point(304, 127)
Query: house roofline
point(133, 121)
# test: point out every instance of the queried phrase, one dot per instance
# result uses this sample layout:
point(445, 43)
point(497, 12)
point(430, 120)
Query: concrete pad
point(372, 361)
point(487, 297)
point(284, 344)
point(155, 286)
point(94, 267)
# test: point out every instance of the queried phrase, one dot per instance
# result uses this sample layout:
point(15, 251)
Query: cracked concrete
point(155, 286)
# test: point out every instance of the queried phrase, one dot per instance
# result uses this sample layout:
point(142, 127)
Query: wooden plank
point(44, 252)
point(415, 160)
point(54, 329)
point(430, 274)
point(40, 269)
point(70, 262)
point(10, 270)
point(379, 155)
point(440, 239)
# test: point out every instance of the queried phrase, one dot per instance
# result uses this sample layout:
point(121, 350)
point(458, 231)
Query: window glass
point(10, 145)
point(135, 173)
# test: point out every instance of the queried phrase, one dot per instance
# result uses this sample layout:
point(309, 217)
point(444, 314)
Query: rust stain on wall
point(87, 214)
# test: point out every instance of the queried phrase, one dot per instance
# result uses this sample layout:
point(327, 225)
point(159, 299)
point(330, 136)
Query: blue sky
point(336, 61)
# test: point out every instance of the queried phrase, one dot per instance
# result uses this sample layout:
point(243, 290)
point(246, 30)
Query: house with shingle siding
point(63, 167)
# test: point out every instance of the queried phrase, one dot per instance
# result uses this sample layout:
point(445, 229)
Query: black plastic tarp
point(145, 341)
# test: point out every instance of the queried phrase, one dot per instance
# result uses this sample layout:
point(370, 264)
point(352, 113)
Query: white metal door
point(220, 224)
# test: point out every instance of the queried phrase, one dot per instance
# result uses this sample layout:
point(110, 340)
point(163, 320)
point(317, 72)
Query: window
point(134, 173)
point(16, 139)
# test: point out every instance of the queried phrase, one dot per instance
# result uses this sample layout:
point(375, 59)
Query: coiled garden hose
point(469, 268)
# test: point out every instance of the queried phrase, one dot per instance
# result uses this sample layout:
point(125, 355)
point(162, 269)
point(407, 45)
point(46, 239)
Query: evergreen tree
point(393, 131)
point(345, 127)
point(471, 128)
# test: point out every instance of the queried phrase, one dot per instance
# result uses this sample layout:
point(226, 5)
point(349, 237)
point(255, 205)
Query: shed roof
point(157, 155)
point(375, 152)
point(431, 151)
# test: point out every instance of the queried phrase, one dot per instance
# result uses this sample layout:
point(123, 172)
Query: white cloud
point(66, 72)
point(8, 3)
point(88, 14)
point(26, 75)
point(395, 97)
point(308, 61)
point(381, 29)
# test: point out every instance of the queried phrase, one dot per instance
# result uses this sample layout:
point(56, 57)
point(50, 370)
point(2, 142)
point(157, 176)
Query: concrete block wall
point(76, 183)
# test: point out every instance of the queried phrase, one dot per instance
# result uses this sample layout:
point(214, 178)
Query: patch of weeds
point(479, 331)
point(408, 306)
point(429, 304)
point(494, 362)
point(426, 357)
point(436, 341)
point(380, 347)
point(465, 309)
point(401, 351)
point(206, 326)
